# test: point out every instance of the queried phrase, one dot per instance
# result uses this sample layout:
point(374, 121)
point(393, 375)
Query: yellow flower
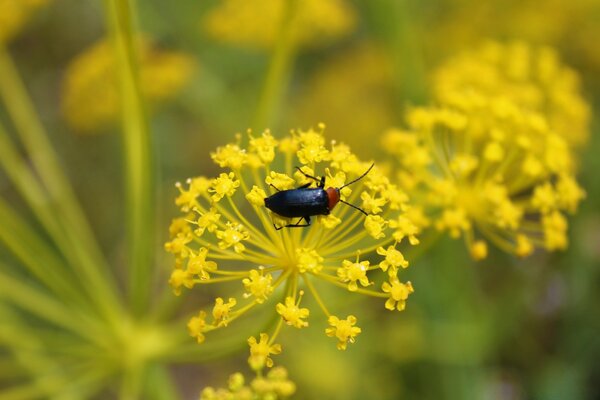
point(495, 162)
point(258, 285)
point(399, 292)
point(197, 326)
point(15, 14)
point(221, 311)
point(274, 385)
point(90, 92)
point(393, 259)
point(353, 272)
point(292, 313)
point(232, 237)
point(260, 352)
point(519, 76)
point(343, 329)
point(255, 23)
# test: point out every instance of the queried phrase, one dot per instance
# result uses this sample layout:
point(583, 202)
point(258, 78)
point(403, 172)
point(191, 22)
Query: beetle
point(304, 202)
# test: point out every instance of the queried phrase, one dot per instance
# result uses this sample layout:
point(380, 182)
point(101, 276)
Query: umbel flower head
point(489, 163)
point(532, 79)
point(256, 23)
point(226, 234)
point(90, 92)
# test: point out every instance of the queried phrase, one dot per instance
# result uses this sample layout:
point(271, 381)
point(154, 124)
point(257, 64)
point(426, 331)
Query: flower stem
point(90, 262)
point(38, 258)
point(279, 69)
point(139, 173)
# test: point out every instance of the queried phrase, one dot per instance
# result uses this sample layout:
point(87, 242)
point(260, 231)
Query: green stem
point(90, 261)
point(279, 69)
point(39, 258)
point(38, 303)
point(139, 173)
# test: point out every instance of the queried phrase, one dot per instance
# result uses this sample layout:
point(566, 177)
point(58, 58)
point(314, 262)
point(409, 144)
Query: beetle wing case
point(298, 202)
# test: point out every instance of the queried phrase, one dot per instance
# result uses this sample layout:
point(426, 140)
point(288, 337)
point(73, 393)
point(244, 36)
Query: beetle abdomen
point(298, 202)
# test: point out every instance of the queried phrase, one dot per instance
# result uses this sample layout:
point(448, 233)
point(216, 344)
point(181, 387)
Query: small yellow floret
point(308, 260)
point(256, 196)
point(221, 311)
point(375, 226)
point(223, 185)
point(393, 259)
point(399, 292)
point(260, 352)
point(258, 285)
point(197, 325)
point(233, 236)
point(343, 329)
point(197, 264)
point(229, 156)
point(292, 313)
point(353, 272)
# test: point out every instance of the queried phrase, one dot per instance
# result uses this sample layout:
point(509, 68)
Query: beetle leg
point(274, 187)
point(297, 224)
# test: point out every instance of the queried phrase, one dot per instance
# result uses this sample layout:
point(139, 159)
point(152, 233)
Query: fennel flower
point(90, 95)
point(256, 23)
point(226, 234)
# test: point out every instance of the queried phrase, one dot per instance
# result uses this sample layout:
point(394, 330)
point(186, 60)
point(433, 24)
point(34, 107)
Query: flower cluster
point(226, 234)
point(90, 93)
point(256, 23)
point(493, 159)
point(275, 385)
point(531, 79)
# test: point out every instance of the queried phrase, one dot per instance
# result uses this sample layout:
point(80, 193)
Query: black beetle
point(305, 202)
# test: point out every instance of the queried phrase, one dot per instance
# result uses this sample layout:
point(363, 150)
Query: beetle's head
point(333, 195)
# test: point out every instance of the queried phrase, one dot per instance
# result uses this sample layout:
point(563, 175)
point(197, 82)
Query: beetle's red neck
point(333, 195)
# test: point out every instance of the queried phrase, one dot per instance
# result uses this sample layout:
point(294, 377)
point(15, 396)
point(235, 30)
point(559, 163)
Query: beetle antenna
point(358, 179)
point(353, 206)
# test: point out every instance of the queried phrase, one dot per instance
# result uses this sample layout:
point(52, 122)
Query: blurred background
point(501, 328)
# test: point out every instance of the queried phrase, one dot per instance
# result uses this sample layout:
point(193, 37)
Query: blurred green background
point(497, 329)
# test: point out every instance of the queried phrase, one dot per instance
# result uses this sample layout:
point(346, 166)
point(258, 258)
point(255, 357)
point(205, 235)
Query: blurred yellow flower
point(272, 386)
point(14, 14)
point(256, 23)
point(494, 159)
point(90, 95)
point(229, 235)
point(529, 78)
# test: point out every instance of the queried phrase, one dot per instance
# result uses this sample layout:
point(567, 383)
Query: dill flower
point(490, 171)
point(255, 23)
point(532, 79)
point(273, 386)
point(90, 95)
point(226, 234)
point(15, 14)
